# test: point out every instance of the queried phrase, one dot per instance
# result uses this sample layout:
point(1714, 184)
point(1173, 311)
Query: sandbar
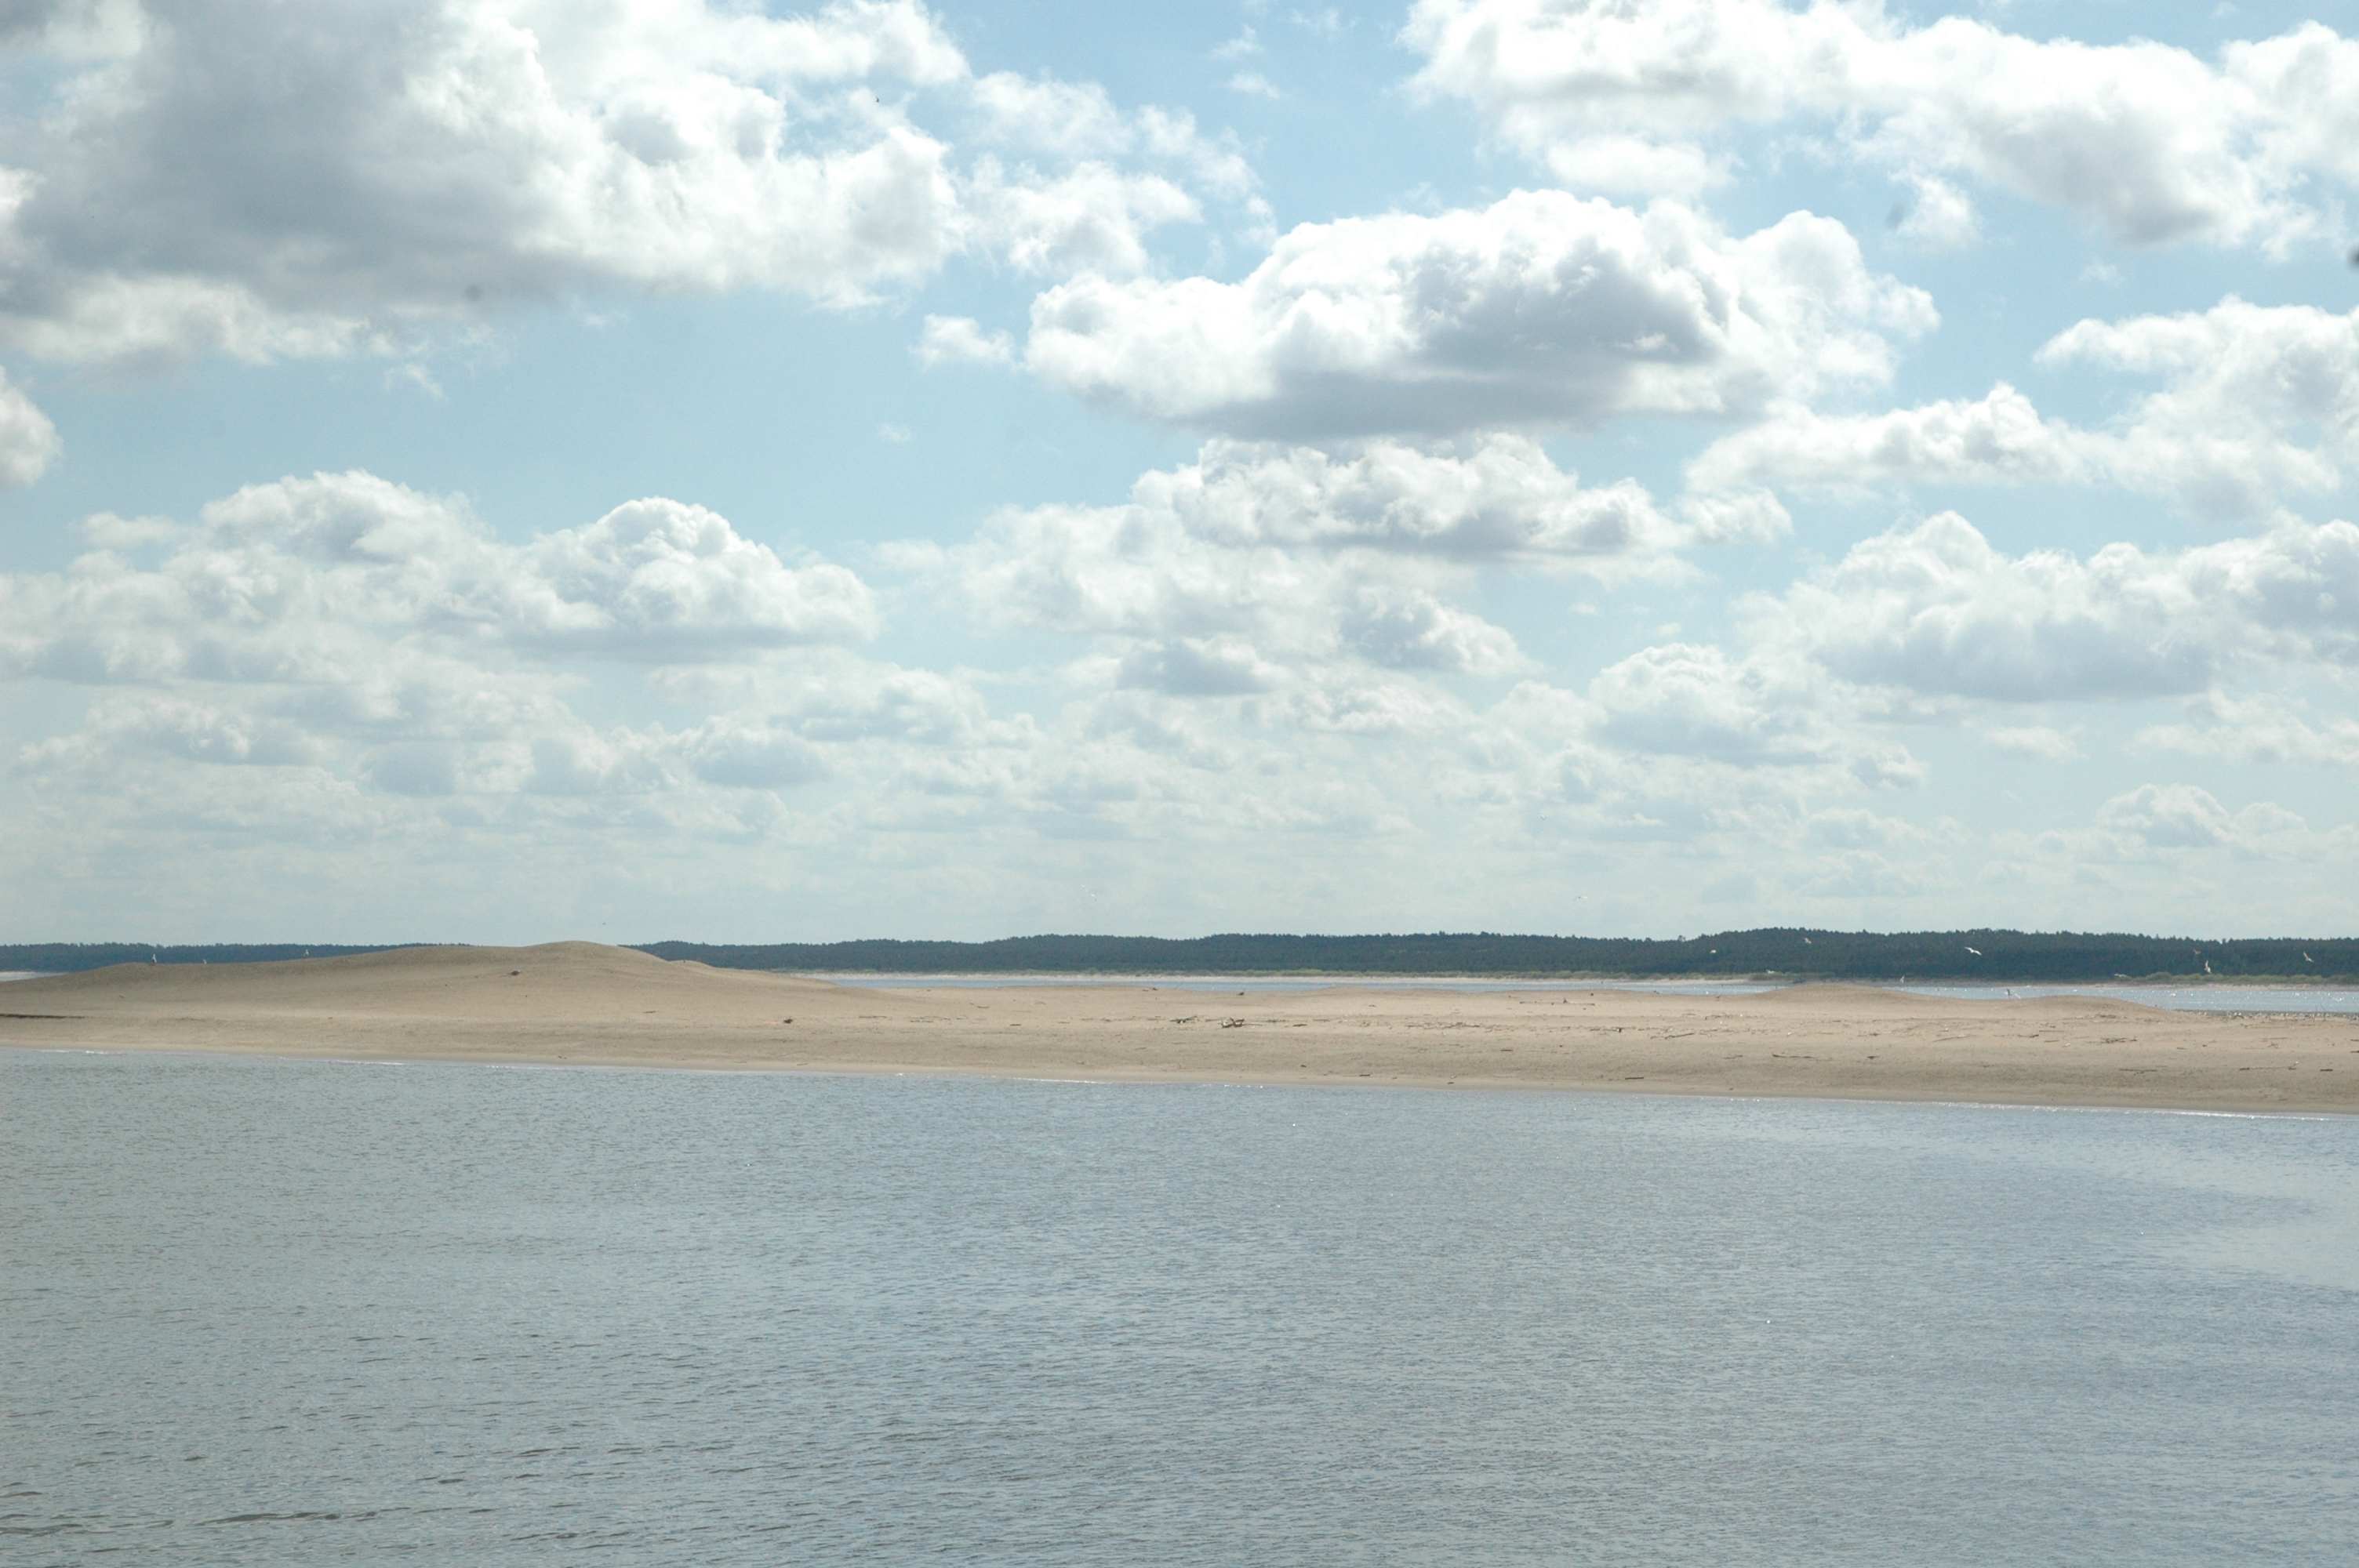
point(580, 1003)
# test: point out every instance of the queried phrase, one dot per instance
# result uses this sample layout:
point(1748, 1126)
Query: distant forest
point(1781, 952)
point(2006, 956)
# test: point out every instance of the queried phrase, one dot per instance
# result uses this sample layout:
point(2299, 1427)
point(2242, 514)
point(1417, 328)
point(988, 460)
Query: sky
point(500, 470)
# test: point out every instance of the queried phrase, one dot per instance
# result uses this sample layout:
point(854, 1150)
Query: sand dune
point(578, 1003)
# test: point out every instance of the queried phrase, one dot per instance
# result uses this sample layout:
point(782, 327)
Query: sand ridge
point(578, 1003)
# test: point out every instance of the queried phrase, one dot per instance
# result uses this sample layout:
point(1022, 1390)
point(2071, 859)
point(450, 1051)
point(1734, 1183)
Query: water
point(258, 1312)
point(2171, 998)
point(2174, 998)
point(1240, 984)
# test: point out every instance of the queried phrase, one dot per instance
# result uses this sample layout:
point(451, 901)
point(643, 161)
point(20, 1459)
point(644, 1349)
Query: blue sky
point(506, 470)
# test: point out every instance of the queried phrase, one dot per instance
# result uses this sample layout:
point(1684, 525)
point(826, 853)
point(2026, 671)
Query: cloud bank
point(2147, 143)
point(1543, 308)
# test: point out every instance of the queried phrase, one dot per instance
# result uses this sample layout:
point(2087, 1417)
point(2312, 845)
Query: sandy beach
point(580, 1003)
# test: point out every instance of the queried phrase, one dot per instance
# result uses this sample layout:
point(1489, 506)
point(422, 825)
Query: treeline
point(72, 957)
point(1930, 956)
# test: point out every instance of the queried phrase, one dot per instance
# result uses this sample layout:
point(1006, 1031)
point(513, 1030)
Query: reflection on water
point(311, 1313)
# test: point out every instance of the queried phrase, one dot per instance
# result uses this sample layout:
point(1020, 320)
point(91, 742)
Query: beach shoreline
point(580, 1004)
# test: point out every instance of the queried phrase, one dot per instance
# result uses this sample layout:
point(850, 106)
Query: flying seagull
point(1977, 952)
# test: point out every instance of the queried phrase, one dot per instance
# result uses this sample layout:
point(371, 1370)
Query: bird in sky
point(1977, 952)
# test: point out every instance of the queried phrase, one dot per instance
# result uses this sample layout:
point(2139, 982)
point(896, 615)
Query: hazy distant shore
point(580, 1003)
point(1777, 954)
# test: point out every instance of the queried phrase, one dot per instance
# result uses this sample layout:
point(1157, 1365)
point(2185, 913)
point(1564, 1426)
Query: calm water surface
point(260, 1312)
point(2171, 998)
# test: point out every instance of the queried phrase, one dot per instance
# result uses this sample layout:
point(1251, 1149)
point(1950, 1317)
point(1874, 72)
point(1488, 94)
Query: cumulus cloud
point(1675, 748)
point(1276, 643)
point(2242, 386)
point(962, 340)
point(1542, 309)
point(1255, 558)
point(2177, 817)
point(2150, 143)
point(1938, 216)
point(658, 580)
point(28, 442)
point(343, 615)
point(1094, 217)
point(1999, 438)
point(1687, 700)
point(1080, 120)
point(1936, 610)
point(320, 671)
point(2265, 728)
point(2040, 741)
point(2256, 402)
point(287, 181)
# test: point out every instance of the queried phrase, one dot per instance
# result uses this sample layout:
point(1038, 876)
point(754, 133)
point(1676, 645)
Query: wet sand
point(576, 1002)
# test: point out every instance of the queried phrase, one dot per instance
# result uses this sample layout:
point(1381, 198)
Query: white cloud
point(962, 340)
point(1094, 216)
point(2257, 728)
point(1697, 702)
point(268, 181)
point(28, 442)
point(320, 666)
point(1310, 553)
point(1246, 43)
point(2182, 816)
point(669, 582)
point(2242, 385)
point(357, 586)
point(1679, 745)
point(1077, 119)
point(1198, 666)
point(286, 181)
point(1273, 641)
point(732, 751)
point(1997, 439)
point(1936, 610)
point(2038, 740)
point(1633, 166)
point(1299, 577)
point(1939, 216)
point(1541, 309)
point(2256, 402)
point(1081, 122)
point(2150, 143)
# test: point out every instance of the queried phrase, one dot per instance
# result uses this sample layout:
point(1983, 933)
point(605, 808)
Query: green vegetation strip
point(1938, 957)
point(1930, 957)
